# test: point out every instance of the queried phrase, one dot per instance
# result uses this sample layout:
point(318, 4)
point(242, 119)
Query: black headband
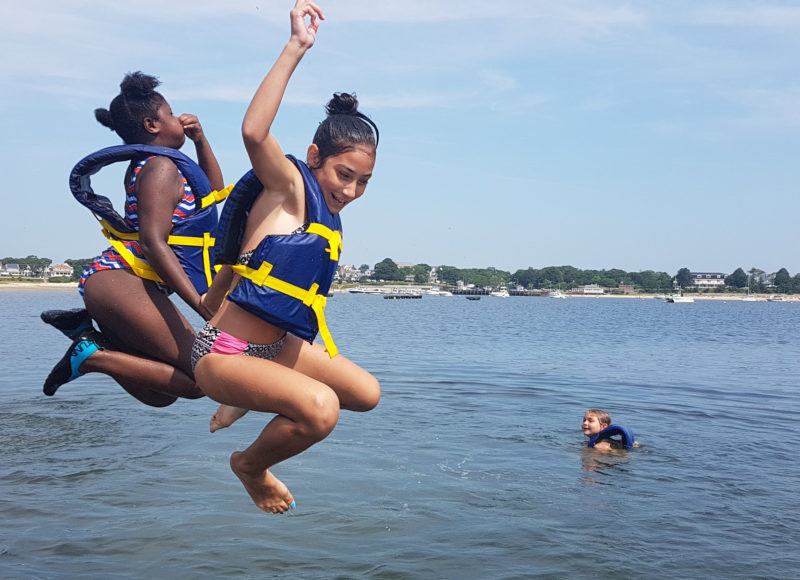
point(361, 115)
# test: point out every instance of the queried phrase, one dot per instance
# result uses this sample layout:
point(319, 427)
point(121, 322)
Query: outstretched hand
point(305, 33)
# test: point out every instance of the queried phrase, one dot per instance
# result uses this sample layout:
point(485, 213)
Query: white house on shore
point(707, 280)
point(11, 269)
point(345, 273)
point(590, 290)
point(61, 270)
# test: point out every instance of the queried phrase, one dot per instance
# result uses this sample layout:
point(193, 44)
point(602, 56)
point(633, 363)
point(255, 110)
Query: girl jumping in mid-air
point(161, 245)
point(283, 219)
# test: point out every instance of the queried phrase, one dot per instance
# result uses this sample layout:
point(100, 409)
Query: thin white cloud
point(587, 14)
point(596, 14)
point(771, 16)
point(239, 93)
point(416, 100)
point(81, 49)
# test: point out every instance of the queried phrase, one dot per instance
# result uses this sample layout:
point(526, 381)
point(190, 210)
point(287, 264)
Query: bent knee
point(369, 395)
point(195, 393)
point(156, 400)
point(322, 415)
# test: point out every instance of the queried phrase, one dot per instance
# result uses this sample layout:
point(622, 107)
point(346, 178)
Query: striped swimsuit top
point(110, 259)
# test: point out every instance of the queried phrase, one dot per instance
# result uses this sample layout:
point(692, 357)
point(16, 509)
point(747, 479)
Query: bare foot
point(226, 416)
point(268, 492)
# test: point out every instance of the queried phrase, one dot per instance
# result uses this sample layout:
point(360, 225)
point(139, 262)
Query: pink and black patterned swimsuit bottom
point(212, 339)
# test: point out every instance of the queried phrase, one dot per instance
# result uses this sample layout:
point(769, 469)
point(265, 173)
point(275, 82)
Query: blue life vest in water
point(192, 239)
point(626, 436)
point(286, 281)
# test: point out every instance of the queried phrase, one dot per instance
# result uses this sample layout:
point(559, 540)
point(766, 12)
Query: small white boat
point(437, 292)
point(502, 293)
point(776, 298)
point(556, 294)
point(365, 290)
point(750, 296)
point(678, 298)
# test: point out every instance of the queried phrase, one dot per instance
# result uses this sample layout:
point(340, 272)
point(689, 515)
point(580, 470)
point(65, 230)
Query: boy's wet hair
point(344, 128)
point(601, 415)
point(136, 101)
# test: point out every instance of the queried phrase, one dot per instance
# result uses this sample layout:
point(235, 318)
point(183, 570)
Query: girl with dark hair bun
point(137, 101)
point(144, 341)
point(286, 242)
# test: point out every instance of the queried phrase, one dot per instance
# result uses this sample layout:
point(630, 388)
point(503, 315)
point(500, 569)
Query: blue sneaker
point(70, 322)
point(66, 369)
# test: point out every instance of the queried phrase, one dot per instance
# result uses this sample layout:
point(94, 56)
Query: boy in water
point(594, 421)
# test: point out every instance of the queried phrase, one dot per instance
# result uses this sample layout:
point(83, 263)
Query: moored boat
point(678, 299)
point(365, 290)
point(501, 293)
point(401, 295)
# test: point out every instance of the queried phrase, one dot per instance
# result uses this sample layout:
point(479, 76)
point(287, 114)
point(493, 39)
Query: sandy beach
point(642, 296)
point(71, 286)
point(700, 296)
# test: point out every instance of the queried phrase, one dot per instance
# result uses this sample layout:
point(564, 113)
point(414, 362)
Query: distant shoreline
point(642, 296)
point(723, 297)
point(73, 286)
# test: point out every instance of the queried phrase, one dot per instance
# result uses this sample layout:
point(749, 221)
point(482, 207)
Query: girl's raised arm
point(272, 168)
point(205, 155)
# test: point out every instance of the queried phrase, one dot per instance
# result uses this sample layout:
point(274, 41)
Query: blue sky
point(595, 133)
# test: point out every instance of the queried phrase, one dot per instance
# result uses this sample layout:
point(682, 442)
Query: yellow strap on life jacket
point(140, 267)
point(215, 196)
point(310, 297)
point(334, 238)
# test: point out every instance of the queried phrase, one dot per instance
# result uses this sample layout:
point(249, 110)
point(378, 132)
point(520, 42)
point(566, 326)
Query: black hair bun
point(342, 104)
point(103, 116)
point(137, 85)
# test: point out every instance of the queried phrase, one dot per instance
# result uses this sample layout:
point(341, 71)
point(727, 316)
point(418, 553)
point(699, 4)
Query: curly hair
point(136, 101)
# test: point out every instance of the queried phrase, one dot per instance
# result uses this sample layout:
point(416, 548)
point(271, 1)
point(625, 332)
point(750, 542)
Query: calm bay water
point(472, 466)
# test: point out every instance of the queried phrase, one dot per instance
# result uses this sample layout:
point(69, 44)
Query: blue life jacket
point(192, 239)
point(286, 281)
point(625, 434)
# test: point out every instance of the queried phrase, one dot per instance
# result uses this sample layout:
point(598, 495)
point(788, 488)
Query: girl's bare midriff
point(236, 321)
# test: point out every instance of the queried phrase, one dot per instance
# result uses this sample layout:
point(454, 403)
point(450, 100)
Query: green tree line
point(39, 265)
point(783, 282)
point(560, 277)
point(36, 264)
point(568, 277)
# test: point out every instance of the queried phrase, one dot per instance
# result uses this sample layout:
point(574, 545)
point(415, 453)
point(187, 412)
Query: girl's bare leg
point(356, 388)
point(152, 382)
point(151, 340)
point(306, 412)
